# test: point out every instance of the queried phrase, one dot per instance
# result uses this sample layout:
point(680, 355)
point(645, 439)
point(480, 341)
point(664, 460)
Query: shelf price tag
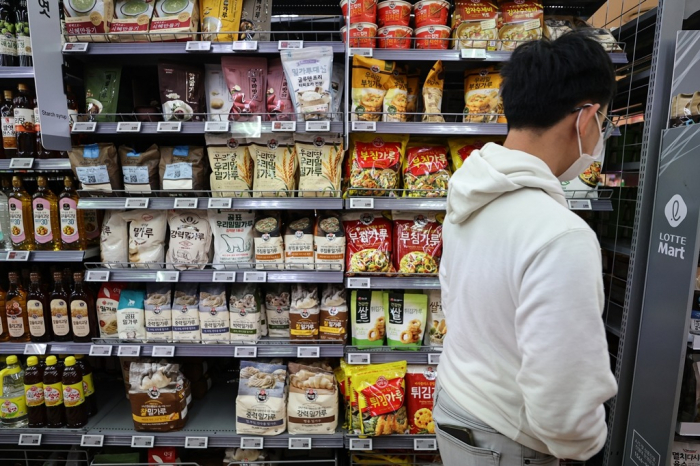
point(425, 444)
point(75, 47)
point(248, 45)
point(225, 277)
point(284, 126)
point(129, 127)
point(92, 440)
point(136, 203)
point(216, 127)
point(318, 126)
point(360, 444)
point(35, 348)
point(362, 203)
point(142, 441)
point(196, 442)
point(97, 276)
point(24, 162)
point(163, 351)
point(20, 256)
point(580, 204)
point(29, 440)
point(84, 127)
point(368, 126)
point(186, 203)
point(245, 352)
point(473, 54)
point(434, 359)
point(100, 350)
point(254, 277)
point(219, 203)
point(252, 443)
point(198, 46)
point(167, 276)
point(129, 350)
point(290, 44)
point(358, 358)
point(299, 443)
point(308, 352)
point(361, 52)
point(359, 283)
point(168, 127)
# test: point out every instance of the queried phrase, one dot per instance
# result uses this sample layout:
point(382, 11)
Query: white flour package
point(312, 407)
point(233, 238)
point(213, 313)
point(261, 402)
point(147, 229)
point(131, 323)
point(277, 305)
point(114, 239)
point(186, 313)
point(159, 315)
point(190, 239)
point(244, 307)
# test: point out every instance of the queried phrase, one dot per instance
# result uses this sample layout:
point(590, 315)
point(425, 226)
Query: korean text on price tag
point(163, 351)
point(167, 276)
point(216, 127)
point(128, 127)
point(309, 352)
point(84, 127)
point(284, 126)
point(129, 350)
point(290, 44)
point(359, 282)
point(219, 203)
point(318, 126)
point(299, 443)
point(97, 276)
point(360, 444)
point(245, 351)
point(196, 442)
point(136, 203)
point(169, 127)
point(425, 444)
point(198, 46)
point(254, 277)
point(186, 203)
point(358, 358)
point(369, 126)
point(75, 47)
point(362, 203)
point(225, 277)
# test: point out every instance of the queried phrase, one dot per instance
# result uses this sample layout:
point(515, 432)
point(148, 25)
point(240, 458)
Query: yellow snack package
point(412, 90)
point(432, 94)
point(462, 148)
point(381, 394)
point(369, 78)
point(375, 165)
point(218, 16)
point(341, 377)
point(396, 97)
point(482, 100)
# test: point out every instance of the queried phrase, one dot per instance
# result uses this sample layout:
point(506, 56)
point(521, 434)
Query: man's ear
point(588, 121)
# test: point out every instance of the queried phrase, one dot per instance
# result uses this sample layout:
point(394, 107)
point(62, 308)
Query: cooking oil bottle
point(72, 226)
point(21, 225)
point(46, 221)
point(13, 410)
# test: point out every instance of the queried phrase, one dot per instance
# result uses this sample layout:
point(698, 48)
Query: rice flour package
point(436, 325)
point(186, 313)
point(159, 315)
point(233, 238)
point(213, 313)
point(130, 316)
point(405, 318)
point(244, 307)
point(367, 310)
point(261, 402)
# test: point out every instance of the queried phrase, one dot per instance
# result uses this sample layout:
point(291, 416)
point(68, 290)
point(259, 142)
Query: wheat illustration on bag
point(287, 169)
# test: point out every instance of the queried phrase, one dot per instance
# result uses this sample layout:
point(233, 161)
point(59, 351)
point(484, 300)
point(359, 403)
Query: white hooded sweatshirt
point(522, 291)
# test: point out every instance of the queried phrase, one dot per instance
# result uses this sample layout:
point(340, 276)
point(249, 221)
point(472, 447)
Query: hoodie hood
point(492, 171)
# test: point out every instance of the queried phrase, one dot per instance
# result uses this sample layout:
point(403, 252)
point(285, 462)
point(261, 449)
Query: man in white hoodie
point(525, 368)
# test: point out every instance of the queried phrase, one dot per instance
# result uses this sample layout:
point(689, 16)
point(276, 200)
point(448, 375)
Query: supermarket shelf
point(207, 276)
point(426, 355)
point(619, 247)
point(394, 283)
point(456, 55)
point(40, 164)
point(16, 72)
point(259, 203)
point(54, 256)
point(461, 129)
point(196, 127)
point(688, 429)
point(402, 203)
point(624, 167)
point(175, 48)
point(389, 442)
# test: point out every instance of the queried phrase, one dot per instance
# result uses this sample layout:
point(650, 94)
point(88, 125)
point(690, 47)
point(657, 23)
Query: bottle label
point(24, 46)
point(34, 394)
point(42, 221)
point(59, 317)
point(13, 408)
point(8, 44)
point(79, 318)
point(35, 312)
point(53, 394)
point(90, 224)
point(37, 119)
point(73, 394)
point(68, 212)
point(17, 234)
point(9, 139)
point(24, 120)
point(15, 321)
point(88, 385)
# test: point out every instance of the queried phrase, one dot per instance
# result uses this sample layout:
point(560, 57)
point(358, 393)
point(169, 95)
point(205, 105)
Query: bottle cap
point(16, 182)
point(68, 182)
point(22, 87)
point(11, 359)
point(32, 361)
point(51, 361)
point(70, 361)
point(41, 181)
point(8, 94)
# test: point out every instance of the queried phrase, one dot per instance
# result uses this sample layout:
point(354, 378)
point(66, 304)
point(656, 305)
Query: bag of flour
point(130, 316)
point(107, 305)
point(299, 241)
point(233, 238)
point(146, 237)
point(158, 311)
point(260, 404)
point(113, 240)
point(333, 320)
point(244, 307)
point(277, 303)
point(312, 407)
point(186, 313)
point(190, 239)
point(269, 243)
point(213, 313)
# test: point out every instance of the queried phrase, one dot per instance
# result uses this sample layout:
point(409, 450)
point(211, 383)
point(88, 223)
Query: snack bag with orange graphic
point(381, 396)
point(375, 163)
point(482, 98)
point(426, 172)
point(420, 384)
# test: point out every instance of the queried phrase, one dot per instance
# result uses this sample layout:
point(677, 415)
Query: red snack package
point(420, 388)
point(246, 81)
point(368, 238)
point(417, 242)
point(163, 455)
point(279, 101)
point(426, 172)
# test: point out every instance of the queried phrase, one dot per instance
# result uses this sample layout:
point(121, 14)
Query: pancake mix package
point(368, 314)
point(405, 320)
point(420, 388)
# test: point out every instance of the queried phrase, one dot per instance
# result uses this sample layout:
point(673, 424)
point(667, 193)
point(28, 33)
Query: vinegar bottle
point(72, 226)
point(21, 225)
point(73, 395)
point(60, 312)
point(88, 384)
point(34, 393)
point(46, 221)
point(24, 122)
point(38, 311)
point(53, 394)
point(82, 312)
point(16, 311)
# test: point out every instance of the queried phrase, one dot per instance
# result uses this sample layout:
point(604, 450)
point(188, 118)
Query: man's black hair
point(545, 80)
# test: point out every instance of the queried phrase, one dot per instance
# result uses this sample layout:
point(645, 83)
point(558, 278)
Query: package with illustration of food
point(158, 310)
point(106, 307)
point(396, 97)
point(233, 238)
point(462, 147)
point(375, 163)
point(181, 90)
point(102, 91)
point(256, 20)
point(522, 22)
point(246, 82)
point(381, 398)
point(174, 20)
point(131, 20)
point(183, 168)
point(368, 315)
point(584, 185)
point(96, 166)
point(312, 407)
point(320, 165)
point(219, 100)
point(279, 98)
point(275, 163)
point(369, 78)
point(436, 325)
point(231, 169)
point(261, 407)
point(333, 320)
point(329, 242)
point(308, 72)
point(482, 100)
point(147, 228)
point(244, 307)
point(140, 169)
point(114, 240)
point(432, 94)
point(417, 241)
point(299, 241)
point(214, 313)
point(131, 322)
point(420, 388)
point(186, 313)
point(405, 320)
point(412, 92)
point(190, 239)
point(304, 312)
point(475, 24)
point(158, 397)
point(219, 18)
point(426, 171)
point(278, 298)
point(269, 242)
point(369, 242)
point(92, 18)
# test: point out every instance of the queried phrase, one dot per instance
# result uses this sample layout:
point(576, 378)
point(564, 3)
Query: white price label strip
point(129, 350)
point(136, 203)
point(360, 444)
point(35, 349)
point(245, 352)
point(299, 443)
point(20, 256)
point(163, 351)
point(425, 444)
point(254, 277)
point(75, 47)
point(169, 127)
point(84, 127)
point(219, 203)
point(290, 44)
point(198, 46)
point(361, 52)
point(309, 352)
point(100, 350)
point(284, 126)
point(362, 203)
point(369, 126)
point(196, 442)
point(129, 127)
point(186, 203)
point(252, 443)
point(245, 45)
point(97, 276)
point(29, 440)
point(167, 276)
point(434, 359)
point(92, 440)
point(473, 54)
point(580, 204)
point(318, 126)
point(359, 358)
point(142, 441)
point(25, 162)
point(225, 277)
point(216, 127)
point(359, 282)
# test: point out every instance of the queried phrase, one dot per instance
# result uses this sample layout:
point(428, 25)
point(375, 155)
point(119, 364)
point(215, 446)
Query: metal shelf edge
point(206, 276)
point(39, 164)
point(456, 55)
point(16, 72)
point(260, 203)
point(197, 127)
point(57, 256)
point(170, 48)
point(403, 283)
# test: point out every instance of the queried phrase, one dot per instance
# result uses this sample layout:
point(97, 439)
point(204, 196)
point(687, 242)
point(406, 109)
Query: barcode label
point(29, 440)
point(225, 277)
point(245, 352)
point(92, 440)
point(128, 127)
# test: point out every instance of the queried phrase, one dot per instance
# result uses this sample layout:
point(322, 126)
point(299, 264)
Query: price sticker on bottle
point(580, 204)
point(84, 127)
point(359, 359)
point(132, 351)
point(473, 54)
point(19, 256)
point(198, 46)
point(29, 440)
point(299, 443)
point(254, 277)
point(169, 127)
point(245, 45)
point(434, 359)
point(92, 440)
point(198, 443)
point(245, 352)
point(129, 127)
point(186, 203)
point(252, 443)
point(425, 444)
point(36, 349)
point(318, 126)
point(167, 276)
point(143, 441)
point(24, 162)
point(100, 350)
point(290, 44)
point(284, 126)
point(216, 127)
point(360, 444)
point(219, 203)
point(308, 352)
point(365, 126)
point(97, 276)
point(359, 283)
point(223, 277)
point(163, 351)
point(136, 203)
point(362, 203)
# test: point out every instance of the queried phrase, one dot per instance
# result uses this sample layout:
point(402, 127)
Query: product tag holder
point(29, 440)
point(296, 443)
point(22, 162)
point(308, 352)
point(223, 277)
point(129, 127)
point(245, 352)
point(100, 350)
point(362, 203)
point(216, 127)
point(185, 203)
point(252, 443)
point(359, 359)
point(163, 351)
point(361, 444)
point(136, 203)
point(361, 283)
point(364, 126)
point(75, 47)
point(318, 126)
point(473, 54)
point(97, 276)
point(254, 277)
point(199, 443)
point(92, 440)
point(245, 45)
point(133, 351)
point(169, 127)
point(198, 46)
point(290, 44)
point(284, 126)
point(142, 441)
point(84, 127)
point(18, 256)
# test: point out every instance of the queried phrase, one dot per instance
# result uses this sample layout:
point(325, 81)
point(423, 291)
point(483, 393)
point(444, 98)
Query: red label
point(426, 160)
point(371, 232)
point(84, 27)
point(127, 27)
point(379, 154)
point(514, 12)
point(386, 396)
point(421, 390)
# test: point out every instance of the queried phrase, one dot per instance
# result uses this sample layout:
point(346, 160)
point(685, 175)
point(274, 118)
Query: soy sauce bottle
point(34, 393)
point(88, 384)
point(73, 395)
point(53, 394)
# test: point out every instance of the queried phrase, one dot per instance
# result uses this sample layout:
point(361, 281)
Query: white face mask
point(584, 160)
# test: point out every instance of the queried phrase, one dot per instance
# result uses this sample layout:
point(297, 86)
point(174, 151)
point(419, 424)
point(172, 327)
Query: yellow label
point(13, 408)
point(53, 394)
point(88, 385)
point(304, 333)
point(34, 394)
point(35, 313)
point(156, 419)
point(73, 394)
point(334, 330)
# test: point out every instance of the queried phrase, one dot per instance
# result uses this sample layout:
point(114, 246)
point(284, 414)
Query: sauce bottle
point(60, 312)
point(8, 42)
point(92, 220)
point(38, 311)
point(73, 395)
point(24, 45)
point(46, 221)
point(9, 138)
point(34, 393)
point(88, 384)
point(16, 311)
point(4, 334)
point(53, 394)
point(72, 226)
point(82, 312)
point(13, 409)
point(21, 224)
point(24, 122)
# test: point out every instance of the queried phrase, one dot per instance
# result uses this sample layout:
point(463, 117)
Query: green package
point(102, 91)
point(368, 310)
point(405, 320)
